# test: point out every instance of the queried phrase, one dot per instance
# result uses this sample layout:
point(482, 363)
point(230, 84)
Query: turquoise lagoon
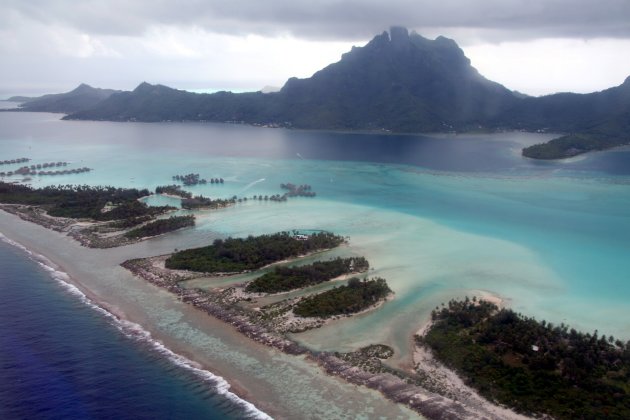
point(437, 216)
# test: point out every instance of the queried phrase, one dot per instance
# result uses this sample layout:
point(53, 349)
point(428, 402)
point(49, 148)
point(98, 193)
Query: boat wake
point(138, 333)
point(251, 184)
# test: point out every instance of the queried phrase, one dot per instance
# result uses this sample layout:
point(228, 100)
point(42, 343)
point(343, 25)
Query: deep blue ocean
point(63, 359)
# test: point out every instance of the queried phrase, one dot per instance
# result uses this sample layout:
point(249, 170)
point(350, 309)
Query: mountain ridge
point(82, 97)
point(397, 82)
point(387, 81)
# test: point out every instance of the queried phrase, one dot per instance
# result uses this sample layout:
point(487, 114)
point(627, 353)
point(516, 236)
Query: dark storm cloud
point(336, 19)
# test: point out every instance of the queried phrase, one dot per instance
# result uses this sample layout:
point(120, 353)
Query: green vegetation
point(283, 279)
point(356, 296)
point(204, 202)
point(533, 366)
point(614, 132)
point(82, 201)
point(173, 190)
point(405, 83)
point(129, 223)
point(160, 226)
point(194, 179)
point(564, 147)
point(240, 254)
point(370, 358)
point(398, 82)
point(190, 179)
point(128, 209)
point(82, 97)
point(380, 351)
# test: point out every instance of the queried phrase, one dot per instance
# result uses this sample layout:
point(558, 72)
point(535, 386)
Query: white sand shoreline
point(280, 404)
point(447, 379)
point(271, 402)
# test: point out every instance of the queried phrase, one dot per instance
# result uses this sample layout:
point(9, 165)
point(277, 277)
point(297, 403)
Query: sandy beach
point(280, 385)
point(284, 385)
point(436, 229)
point(425, 364)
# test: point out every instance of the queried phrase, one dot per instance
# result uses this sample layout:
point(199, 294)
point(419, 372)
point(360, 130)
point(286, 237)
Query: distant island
point(78, 99)
point(399, 82)
point(610, 133)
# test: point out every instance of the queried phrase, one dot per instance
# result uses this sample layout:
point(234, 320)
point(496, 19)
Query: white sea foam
point(137, 332)
point(251, 184)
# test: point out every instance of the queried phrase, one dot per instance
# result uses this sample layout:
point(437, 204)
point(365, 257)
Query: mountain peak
point(446, 42)
point(149, 88)
point(400, 40)
point(143, 87)
point(399, 36)
point(83, 87)
point(82, 97)
point(405, 71)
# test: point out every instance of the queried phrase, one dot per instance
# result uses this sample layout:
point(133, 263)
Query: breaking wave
point(138, 333)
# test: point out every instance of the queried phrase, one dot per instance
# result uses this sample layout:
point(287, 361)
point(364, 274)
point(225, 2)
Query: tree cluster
point(283, 279)
point(275, 197)
point(356, 296)
point(129, 209)
point(610, 133)
point(173, 190)
point(189, 179)
point(535, 367)
point(574, 144)
point(129, 222)
point(205, 202)
point(242, 254)
point(82, 201)
point(160, 226)
point(194, 179)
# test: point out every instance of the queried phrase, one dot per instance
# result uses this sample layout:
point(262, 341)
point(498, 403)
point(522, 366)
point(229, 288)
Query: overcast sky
point(534, 46)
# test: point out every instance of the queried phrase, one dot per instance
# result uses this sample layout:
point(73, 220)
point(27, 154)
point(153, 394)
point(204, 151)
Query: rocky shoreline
point(356, 368)
point(38, 216)
point(210, 303)
point(89, 234)
point(417, 390)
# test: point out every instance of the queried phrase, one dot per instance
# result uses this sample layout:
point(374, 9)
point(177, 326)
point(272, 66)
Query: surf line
point(136, 332)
